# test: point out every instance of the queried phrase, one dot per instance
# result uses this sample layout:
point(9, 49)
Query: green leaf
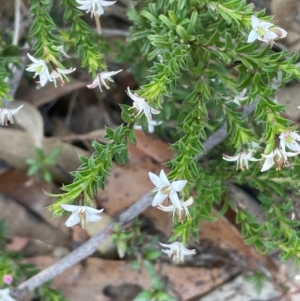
point(182, 33)
point(11, 50)
point(166, 21)
point(121, 157)
point(47, 176)
point(153, 54)
point(144, 296)
point(152, 254)
point(132, 137)
point(39, 153)
point(54, 153)
point(34, 169)
point(109, 133)
point(118, 133)
point(148, 16)
point(214, 37)
point(193, 22)
point(31, 161)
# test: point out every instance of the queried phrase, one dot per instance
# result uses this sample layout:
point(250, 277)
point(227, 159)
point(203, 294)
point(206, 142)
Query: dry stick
point(17, 22)
point(129, 214)
point(98, 25)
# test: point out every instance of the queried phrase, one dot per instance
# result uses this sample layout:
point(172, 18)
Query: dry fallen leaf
point(22, 222)
point(97, 277)
point(31, 194)
point(31, 120)
point(39, 97)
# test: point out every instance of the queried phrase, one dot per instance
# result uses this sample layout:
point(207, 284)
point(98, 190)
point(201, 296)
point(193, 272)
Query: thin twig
point(17, 22)
point(98, 25)
point(107, 32)
point(96, 134)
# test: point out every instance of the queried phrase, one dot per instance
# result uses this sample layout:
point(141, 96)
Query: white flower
point(238, 98)
point(277, 157)
point(6, 115)
point(4, 295)
point(166, 189)
point(172, 208)
point(151, 125)
point(100, 79)
point(81, 214)
point(94, 6)
point(58, 73)
point(177, 251)
point(265, 31)
point(141, 105)
point(289, 139)
point(40, 68)
point(241, 159)
point(61, 49)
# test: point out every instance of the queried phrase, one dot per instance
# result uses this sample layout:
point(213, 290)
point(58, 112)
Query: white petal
point(294, 146)
point(255, 21)
point(175, 200)
point(295, 136)
point(155, 179)
point(70, 208)
point(73, 220)
point(134, 97)
point(265, 25)
point(15, 111)
point(107, 3)
point(164, 245)
point(147, 110)
point(100, 11)
point(95, 83)
point(289, 154)
point(93, 217)
point(270, 155)
point(92, 210)
point(4, 295)
point(43, 78)
point(166, 208)
point(31, 68)
point(188, 252)
point(33, 59)
point(253, 159)
point(231, 158)
point(159, 198)
point(167, 252)
point(66, 71)
point(164, 179)
point(267, 164)
point(252, 36)
point(188, 202)
point(283, 32)
point(154, 111)
point(178, 185)
point(84, 6)
point(270, 35)
point(109, 74)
